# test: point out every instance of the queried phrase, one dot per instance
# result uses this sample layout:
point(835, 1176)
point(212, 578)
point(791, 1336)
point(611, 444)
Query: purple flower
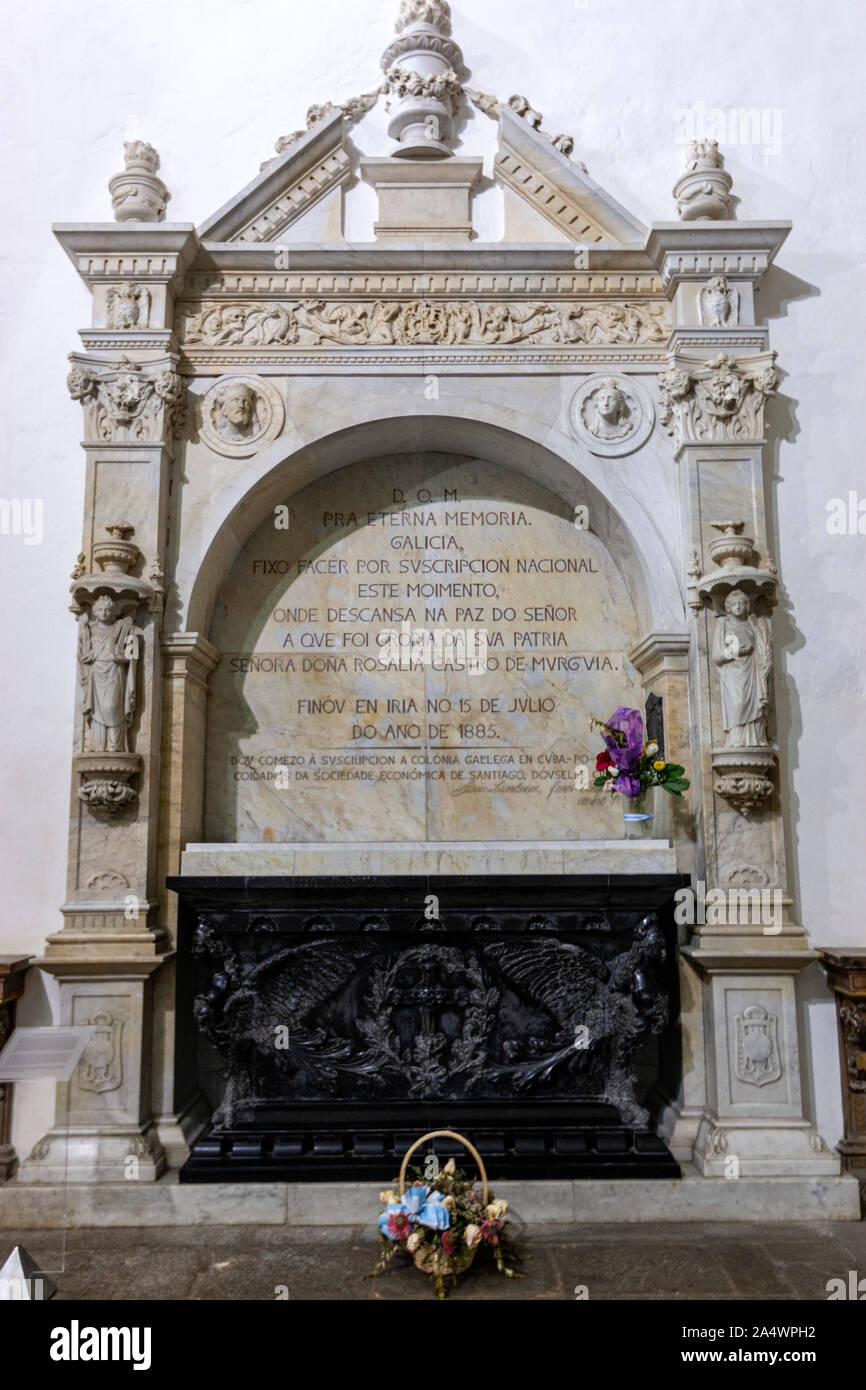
point(626, 756)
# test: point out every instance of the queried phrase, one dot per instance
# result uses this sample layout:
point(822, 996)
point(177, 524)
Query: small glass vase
point(637, 815)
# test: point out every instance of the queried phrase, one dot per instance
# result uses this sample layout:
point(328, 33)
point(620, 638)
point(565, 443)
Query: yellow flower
point(660, 767)
point(388, 1198)
point(496, 1210)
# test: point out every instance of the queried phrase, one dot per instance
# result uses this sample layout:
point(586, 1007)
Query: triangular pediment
point(287, 187)
point(557, 188)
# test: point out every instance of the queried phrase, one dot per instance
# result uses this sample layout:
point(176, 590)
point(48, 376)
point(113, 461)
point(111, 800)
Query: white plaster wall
point(212, 88)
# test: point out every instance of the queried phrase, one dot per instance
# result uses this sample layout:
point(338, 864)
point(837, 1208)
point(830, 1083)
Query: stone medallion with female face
point(611, 415)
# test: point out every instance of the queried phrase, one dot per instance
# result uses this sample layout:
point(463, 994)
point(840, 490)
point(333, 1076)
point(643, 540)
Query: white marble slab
point(431, 857)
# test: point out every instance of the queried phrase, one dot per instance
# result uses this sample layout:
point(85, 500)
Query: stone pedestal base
point(85, 1154)
point(738, 1149)
point(594, 1201)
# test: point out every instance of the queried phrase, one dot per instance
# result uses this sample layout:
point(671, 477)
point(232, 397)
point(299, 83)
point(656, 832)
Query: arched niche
point(284, 758)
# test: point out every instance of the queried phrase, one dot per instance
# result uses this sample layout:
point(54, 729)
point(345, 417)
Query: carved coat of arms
point(100, 1068)
point(758, 1061)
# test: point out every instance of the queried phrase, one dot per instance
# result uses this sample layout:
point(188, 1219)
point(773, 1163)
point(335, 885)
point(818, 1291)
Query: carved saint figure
point(742, 650)
point(234, 412)
point(107, 661)
point(607, 414)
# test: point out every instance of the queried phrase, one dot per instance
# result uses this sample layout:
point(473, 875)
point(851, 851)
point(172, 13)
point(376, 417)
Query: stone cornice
point(661, 651)
point(159, 252)
point(683, 251)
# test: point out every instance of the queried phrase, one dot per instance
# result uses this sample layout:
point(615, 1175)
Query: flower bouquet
point(630, 766)
point(443, 1227)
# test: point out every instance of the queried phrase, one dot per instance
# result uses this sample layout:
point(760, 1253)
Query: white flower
point(496, 1210)
point(651, 749)
point(414, 1240)
point(471, 1235)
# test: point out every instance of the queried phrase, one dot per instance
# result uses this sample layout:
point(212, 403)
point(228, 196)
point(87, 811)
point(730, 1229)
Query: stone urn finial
point(703, 191)
point(118, 555)
point(731, 549)
point(422, 79)
point(138, 195)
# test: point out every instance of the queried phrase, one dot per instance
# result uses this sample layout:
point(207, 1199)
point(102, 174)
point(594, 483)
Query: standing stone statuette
point(703, 191)
point(108, 653)
point(137, 195)
point(742, 651)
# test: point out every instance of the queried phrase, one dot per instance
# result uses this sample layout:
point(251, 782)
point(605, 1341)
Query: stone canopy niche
point(320, 729)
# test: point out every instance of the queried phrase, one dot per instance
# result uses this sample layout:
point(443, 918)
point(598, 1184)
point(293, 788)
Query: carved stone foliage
point(719, 303)
point(718, 401)
point(420, 322)
point(703, 191)
point(743, 777)
point(240, 415)
point(127, 306)
point(137, 195)
point(101, 1066)
point(128, 403)
point(434, 12)
point(485, 1015)
point(520, 105)
point(758, 1062)
point(611, 415)
point(353, 109)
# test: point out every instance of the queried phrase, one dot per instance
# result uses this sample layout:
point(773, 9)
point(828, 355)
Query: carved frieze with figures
point(422, 322)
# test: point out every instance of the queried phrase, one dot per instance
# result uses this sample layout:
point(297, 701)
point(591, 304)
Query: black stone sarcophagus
point(339, 1018)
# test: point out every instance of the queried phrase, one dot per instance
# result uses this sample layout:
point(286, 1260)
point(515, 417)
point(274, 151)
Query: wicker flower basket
point(429, 1258)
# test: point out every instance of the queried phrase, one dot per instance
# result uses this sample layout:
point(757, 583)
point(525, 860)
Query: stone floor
point(652, 1261)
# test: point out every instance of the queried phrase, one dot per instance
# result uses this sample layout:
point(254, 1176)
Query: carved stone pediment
point(307, 167)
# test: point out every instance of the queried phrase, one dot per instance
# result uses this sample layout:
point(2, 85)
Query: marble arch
point(529, 445)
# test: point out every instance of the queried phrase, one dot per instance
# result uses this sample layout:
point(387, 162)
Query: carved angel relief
point(127, 306)
point(719, 304)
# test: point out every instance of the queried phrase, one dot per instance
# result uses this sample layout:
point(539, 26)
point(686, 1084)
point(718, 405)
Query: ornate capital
point(716, 401)
point(128, 403)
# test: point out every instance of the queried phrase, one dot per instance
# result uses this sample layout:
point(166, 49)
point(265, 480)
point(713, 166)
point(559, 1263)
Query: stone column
point(112, 941)
point(188, 661)
point(745, 949)
point(13, 972)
